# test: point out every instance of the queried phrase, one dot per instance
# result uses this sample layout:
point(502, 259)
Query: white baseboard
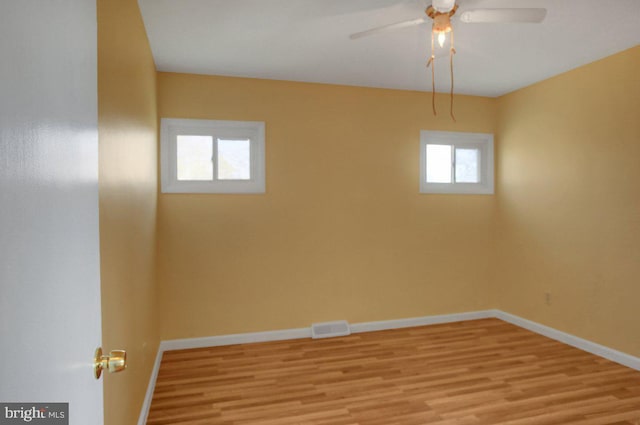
point(146, 404)
point(583, 344)
point(246, 338)
point(420, 321)
point(297, 333)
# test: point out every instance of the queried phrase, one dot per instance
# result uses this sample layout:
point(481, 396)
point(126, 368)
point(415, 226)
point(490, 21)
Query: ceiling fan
point(448, 8)
point(440, 13)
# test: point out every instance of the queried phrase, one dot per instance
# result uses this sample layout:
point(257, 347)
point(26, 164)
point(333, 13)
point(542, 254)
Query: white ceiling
point(308, 40)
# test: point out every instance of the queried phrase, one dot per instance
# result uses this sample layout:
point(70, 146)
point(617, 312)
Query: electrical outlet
point(547, 298)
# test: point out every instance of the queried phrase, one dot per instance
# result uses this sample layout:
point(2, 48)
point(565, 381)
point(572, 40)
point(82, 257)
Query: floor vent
point(330, 329)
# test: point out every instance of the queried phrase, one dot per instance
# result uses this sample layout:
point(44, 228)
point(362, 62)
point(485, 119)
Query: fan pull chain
point(451, 53)
point(433, 74)
point(431, 63)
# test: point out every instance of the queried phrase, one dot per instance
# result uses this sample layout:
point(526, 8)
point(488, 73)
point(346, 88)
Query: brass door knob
point(116, 361)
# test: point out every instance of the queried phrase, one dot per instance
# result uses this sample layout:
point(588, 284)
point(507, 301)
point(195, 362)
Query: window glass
point(438, 163)
point(194, 157)
point(467, 169)
point(234, 159)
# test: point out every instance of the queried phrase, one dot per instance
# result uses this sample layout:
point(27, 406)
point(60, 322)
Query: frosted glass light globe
point(443, 6)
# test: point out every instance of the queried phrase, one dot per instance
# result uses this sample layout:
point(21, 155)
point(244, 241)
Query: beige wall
point(569, 202)
point(342, 232)
point(342, 214)
point(128, 199)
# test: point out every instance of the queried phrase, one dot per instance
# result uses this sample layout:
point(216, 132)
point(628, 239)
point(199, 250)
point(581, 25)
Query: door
point(49, 247)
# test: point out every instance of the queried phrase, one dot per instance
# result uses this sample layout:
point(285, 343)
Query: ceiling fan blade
point(384, 28)
point(489, 16)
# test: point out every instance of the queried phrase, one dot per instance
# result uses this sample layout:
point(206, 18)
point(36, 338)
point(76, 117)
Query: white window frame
point(481, 141)
point(171, 128)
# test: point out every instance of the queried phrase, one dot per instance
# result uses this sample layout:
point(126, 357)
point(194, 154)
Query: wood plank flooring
point(466, 373)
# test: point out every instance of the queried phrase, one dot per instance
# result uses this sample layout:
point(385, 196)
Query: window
point(456, 162)
point(201, 156)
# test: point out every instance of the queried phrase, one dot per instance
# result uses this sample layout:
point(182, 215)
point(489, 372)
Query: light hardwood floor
point(475, 372)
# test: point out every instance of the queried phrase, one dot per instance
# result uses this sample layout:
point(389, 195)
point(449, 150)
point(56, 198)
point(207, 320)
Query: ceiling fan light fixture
point(441, 26)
